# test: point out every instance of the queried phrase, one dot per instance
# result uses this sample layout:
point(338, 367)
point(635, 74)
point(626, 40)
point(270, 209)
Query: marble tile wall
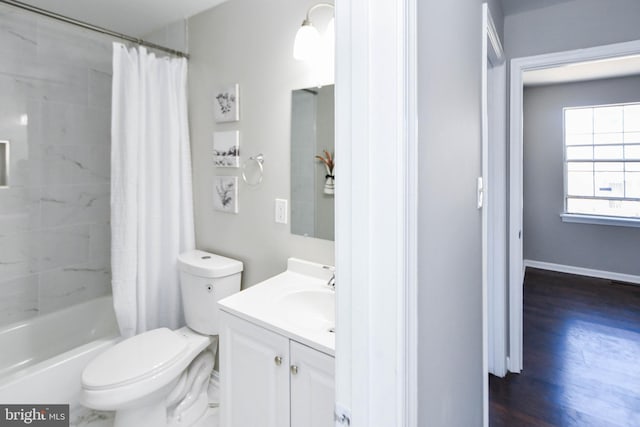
point(55, 109)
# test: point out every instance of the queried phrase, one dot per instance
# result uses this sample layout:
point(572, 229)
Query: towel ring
point(259, 159)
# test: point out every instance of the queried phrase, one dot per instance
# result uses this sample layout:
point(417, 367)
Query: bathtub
point(41, 359)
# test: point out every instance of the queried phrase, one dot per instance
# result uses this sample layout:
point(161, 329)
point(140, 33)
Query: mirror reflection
point(312, 174)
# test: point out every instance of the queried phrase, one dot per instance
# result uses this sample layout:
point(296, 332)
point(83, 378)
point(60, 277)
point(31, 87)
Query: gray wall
point(229, 45)
point(546, 238)
point(571, 25)
point(54, 217)
point(173, 36)
point(449, 246)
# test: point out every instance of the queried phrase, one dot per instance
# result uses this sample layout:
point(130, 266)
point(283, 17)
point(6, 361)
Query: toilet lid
point(133, 359)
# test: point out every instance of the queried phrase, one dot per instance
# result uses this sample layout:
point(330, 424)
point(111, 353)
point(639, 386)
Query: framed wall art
point(226, 149)
point(225, 194)
point(226, 104)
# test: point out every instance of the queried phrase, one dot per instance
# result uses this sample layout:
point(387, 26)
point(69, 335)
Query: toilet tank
point(204, 279)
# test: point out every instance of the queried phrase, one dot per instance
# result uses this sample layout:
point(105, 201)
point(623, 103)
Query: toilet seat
point(117, 378)
point(134, 359)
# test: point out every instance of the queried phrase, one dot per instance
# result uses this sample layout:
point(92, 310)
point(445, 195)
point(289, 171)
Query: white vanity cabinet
point(312, 387)
point(254, 375)
point(268, 380)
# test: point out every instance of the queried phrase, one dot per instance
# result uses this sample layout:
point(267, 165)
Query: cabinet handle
point(278, 360)
point(294, 369)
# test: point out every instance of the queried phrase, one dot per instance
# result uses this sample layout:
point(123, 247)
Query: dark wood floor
point(581, 356)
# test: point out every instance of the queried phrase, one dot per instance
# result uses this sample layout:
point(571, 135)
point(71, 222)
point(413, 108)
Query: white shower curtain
point(151, 193)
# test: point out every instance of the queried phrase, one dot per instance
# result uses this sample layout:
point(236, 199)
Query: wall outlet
point(281, 211)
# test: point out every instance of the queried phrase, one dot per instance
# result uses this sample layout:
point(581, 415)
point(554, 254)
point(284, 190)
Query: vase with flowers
point(329, 179)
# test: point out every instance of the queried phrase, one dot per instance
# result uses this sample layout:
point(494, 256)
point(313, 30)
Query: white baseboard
point(600, 274)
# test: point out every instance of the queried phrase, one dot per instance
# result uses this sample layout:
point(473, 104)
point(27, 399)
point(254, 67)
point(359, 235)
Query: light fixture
point(307, 43)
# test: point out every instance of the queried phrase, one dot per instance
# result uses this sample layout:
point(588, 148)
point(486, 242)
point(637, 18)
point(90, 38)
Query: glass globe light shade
point(307, 42)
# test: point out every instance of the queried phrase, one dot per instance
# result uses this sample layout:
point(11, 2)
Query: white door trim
point(495, 218)
point(376, 213)
point(498, 253)
point(492, 56)
point(411, 162)
point(516, 266)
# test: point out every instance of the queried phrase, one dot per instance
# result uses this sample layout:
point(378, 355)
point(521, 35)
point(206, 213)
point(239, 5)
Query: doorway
point(519, 67)
point(541, 271)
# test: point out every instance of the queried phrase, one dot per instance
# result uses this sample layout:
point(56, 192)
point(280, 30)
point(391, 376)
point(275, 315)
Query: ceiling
point(510, 7)
point(140, 17)
point(592, 70)
point(131, 17)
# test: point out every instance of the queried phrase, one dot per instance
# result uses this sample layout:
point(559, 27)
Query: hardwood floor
point(581, 356)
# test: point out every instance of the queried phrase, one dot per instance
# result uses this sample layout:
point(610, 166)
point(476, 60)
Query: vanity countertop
point(297, 304)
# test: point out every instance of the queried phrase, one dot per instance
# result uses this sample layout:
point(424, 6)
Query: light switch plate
point(480, 193)
point(281, 211)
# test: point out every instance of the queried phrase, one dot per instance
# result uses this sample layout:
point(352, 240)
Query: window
point(602, 160)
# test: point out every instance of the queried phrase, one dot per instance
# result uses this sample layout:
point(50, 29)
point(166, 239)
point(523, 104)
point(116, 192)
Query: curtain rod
point(85, 25)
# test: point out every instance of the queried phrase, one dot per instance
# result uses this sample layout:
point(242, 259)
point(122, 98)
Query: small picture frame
point(226, 149)
point(225, 194)
point(226, 104)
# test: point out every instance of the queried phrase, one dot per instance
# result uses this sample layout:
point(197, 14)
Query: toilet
point(160, 377)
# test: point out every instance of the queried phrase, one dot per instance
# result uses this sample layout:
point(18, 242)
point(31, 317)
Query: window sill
point(600, 220)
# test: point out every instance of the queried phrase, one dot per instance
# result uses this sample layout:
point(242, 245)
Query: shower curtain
point(151, 193)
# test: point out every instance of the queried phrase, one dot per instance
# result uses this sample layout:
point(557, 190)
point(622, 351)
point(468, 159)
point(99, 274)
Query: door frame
point(376, 246)
point(494, 221)
point(516, 260)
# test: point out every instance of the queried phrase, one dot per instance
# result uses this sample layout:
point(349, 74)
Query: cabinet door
point(254, 375)
point(312, 387)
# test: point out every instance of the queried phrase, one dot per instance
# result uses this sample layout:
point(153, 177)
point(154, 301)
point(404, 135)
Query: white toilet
point(160, 377)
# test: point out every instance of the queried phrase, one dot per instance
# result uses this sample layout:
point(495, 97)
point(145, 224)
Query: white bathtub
point(41, 359)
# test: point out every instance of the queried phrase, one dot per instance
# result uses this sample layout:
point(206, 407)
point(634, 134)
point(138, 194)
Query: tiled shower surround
point(55, 109)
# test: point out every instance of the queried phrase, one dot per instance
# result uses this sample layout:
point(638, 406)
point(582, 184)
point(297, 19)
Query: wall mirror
point(312, 134)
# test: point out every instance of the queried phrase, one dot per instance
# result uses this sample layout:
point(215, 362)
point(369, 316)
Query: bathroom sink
point(309, 308)
point(296, 303)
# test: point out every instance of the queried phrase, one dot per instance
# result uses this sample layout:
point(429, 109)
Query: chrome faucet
point(332, 281)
